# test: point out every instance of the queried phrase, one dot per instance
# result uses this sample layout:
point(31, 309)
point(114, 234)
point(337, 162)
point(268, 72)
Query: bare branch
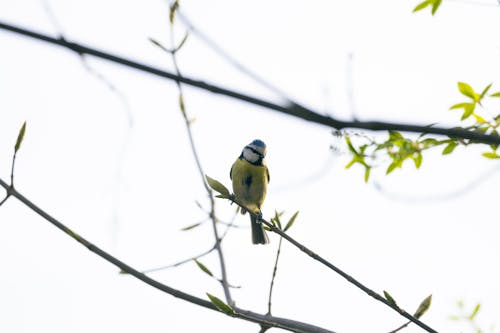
point(274, 276)
point(291, 110)
point(231, 60)
point(400, 327)
point(287, 324)
point(337, 270)
point(7, 196)
point(179, 263)
point(229, 225)
point(217, 246)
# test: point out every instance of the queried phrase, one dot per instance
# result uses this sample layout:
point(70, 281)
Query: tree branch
point(224, 282)
point(291, 110)
point(337, 270)
point(274, 276)
point(231, 60)
point(181, 262)
point(284, 323)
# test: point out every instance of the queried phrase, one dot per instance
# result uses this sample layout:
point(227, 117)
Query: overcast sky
point(116, 166)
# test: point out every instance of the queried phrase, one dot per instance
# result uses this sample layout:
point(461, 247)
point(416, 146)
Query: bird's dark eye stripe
point(254, 151)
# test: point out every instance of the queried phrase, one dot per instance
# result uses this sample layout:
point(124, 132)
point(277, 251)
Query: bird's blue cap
point(258, 143)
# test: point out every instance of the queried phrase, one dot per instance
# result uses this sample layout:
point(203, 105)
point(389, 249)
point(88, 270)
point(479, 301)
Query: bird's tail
point(259, 236)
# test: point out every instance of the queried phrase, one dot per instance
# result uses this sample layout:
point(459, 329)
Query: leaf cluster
point(276, 221)
point(399, 148)
point(468, 315)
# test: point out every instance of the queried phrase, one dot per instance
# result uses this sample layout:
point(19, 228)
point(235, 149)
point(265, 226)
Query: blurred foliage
point(469, 316)
point(399, 148)
point(433, 4)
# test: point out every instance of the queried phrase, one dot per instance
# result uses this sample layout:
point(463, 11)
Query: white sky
point(129, 189)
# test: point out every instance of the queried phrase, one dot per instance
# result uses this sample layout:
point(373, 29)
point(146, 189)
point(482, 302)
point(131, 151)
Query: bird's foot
point(259, 217)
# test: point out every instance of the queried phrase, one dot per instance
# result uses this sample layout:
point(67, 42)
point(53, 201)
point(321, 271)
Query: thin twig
point(231, 60)
point(126, 107)
point(52, 18)
point(294, 110)
point(184, 261)
point(287, 324)
point(337, 270)
point(121, 96)
point(218, 247)
point(228, 225)
point(179, 263)
point(12, 169)
point(400, 327)
point(476, 3)
point(7, 196)
point(350, 85)
point(462, 190)
point(274, 276)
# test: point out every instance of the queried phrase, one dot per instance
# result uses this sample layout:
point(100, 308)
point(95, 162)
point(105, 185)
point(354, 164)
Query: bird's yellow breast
point(249, 183)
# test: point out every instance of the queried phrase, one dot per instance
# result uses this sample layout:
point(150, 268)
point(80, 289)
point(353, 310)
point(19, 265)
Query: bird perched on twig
point(250, 177)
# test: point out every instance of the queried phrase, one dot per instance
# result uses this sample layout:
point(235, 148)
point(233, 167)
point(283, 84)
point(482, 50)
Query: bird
point(250, 176)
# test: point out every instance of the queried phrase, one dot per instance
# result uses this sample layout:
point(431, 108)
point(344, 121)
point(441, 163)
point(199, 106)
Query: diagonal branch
point(337, 270)
point(284, 323)
point(291, 110)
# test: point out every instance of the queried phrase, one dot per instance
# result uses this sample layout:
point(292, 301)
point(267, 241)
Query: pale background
point(125, 178)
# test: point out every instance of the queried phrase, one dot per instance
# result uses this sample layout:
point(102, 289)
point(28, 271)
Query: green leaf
point(485, 90)
point(350, 146)
point(429, 142)
point(20, 137)
point(183, 41)
point(277, 219)
point(291, 221)
point(475, 311)
point(393, 136)
point(468, 110)
point(182, 106)
point(422, 5)
point(435, 6)
point(367, 173)
point(423, 307)
point(393, 166)
point(219, 304)
point(497, 94)
point(467, 90)
point(460, 106)
point(217, 186)
point(203, 267)
point(348, 165)
point(449, 148)
point(192, 226)
point(491, 154)
point(418, 160)
point(173, 9)
point(389, 298)
point(479, 119)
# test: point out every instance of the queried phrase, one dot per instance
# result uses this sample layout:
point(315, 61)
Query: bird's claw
point(259, 217)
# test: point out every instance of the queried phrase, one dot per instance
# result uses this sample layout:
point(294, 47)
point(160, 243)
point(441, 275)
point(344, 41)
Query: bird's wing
point(267, 173)
point(231, 172)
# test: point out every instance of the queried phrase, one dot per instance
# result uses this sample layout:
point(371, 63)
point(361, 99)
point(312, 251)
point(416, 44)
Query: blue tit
point(250, 177)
